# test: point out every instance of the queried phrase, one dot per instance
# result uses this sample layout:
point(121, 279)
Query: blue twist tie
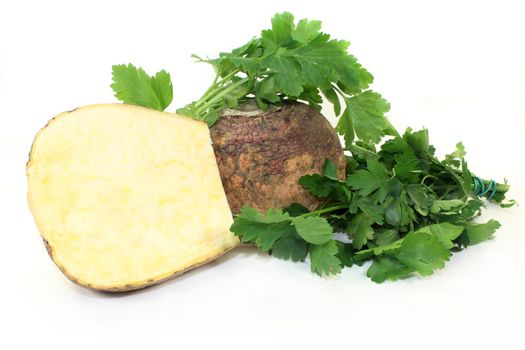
point(481, 190)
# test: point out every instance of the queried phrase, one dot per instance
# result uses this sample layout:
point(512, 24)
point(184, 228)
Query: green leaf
point(161, 84)
point(446, 205)
point(445, 232)
point(324, 61)
point(271, 216)
point(395, 146)
point(246, 230)
point(266, 89)
point(263, 230)
point(323, 259)
point(456, 157)
point(345, 128)
point(296, 209)
point(367, 114)
point(282, 26)
point(212, 116)
point(467, 176)
point(418, 140)
point(422, 252)
point(287, 77)
point(345, 254)
point(395, 212)
point(374, 211)
point(472, 208)
point(478, 233)
point(418, 195)
point(387, 268)
point(315, 230)
point(329, 169)
point(290, 248)
point(407, 168)
point(249, 64)
point(268, 234)
point(378, 250)
point(134, 86)
point(360, 230)
point(318, 185)
point(332, 96)
point(312, 96)
point(385, 236)
point(306, 31)
point(368, 181)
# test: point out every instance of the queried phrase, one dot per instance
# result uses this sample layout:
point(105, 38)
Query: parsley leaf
point(345, 254)
point(290, 248)
point(314, 230)
point(306, 30)
point(370, 180)
point(422, 252)
point(360, 229)
point(387, 268)
point(323, 259)
point(445, 232)
point(364, 118)
point(134, 86)
point(289, 237)
point(417, 252)
point(478, 233)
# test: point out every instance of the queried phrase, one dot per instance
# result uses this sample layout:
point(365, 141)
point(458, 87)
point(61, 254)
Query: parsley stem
point(343, 95)
point(218, 96)
point(325, 210)
point(499, 187)
point(215, 87)
point(362, 150)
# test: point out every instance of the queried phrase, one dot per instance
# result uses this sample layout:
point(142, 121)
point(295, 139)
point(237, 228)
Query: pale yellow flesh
point(126, 196)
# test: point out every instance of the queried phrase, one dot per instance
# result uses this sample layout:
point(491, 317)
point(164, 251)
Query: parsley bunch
point(399, 207)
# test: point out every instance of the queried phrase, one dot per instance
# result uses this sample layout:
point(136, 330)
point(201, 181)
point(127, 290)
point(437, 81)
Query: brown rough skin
point(261, 155)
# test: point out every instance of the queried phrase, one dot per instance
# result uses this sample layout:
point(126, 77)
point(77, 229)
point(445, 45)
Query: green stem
point(359, 149)
point(343, 95)
point(499, 187)
point(222, 93)
point(212, 87)
point(215, 87)
point(442, 187)
point(427, 177)
point(325, 210)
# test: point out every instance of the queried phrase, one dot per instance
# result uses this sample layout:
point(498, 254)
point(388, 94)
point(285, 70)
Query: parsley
point(134, 86)
point(323, 258)
point(266, 230)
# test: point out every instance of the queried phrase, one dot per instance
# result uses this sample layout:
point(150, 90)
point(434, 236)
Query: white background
point(457, 68)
